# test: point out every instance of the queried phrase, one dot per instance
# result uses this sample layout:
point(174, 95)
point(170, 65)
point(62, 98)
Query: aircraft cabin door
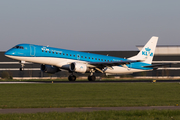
point(32, 50)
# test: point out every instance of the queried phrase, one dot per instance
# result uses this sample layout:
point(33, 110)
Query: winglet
point(147, 53)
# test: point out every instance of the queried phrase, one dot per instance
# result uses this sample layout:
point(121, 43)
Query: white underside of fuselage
point(63, 63)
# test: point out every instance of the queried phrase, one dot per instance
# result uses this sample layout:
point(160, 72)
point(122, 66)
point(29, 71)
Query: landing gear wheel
point(91, 77)
point(72, 78)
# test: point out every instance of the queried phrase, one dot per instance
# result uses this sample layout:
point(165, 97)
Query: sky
point(89, 25)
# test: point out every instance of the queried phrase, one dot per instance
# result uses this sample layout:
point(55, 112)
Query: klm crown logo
point(148, 49)
point(147, 52)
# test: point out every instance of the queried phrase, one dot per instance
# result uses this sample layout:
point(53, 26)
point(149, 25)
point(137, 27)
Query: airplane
point(53, 60)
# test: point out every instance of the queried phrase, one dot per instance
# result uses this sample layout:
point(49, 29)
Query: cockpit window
point(21, 47)
point(18, 47)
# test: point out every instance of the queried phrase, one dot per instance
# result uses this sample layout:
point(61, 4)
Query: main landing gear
point(91, 77)
point(72, 78)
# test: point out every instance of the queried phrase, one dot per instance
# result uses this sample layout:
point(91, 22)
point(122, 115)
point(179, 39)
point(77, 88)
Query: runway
point(85, 109)
point(87, 82)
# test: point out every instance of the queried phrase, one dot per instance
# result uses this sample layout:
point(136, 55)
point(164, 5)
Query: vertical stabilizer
point(147, 52)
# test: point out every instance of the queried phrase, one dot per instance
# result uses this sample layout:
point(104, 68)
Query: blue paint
point(30, 50)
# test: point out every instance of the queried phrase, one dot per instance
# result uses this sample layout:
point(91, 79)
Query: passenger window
point(49, 51)
point(74, 55)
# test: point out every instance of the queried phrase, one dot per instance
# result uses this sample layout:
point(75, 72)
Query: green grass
point(99, 115)
point(89, 95)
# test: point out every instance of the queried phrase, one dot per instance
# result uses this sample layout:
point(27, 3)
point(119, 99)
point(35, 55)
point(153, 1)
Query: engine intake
point(49, 69)
point(78, 67)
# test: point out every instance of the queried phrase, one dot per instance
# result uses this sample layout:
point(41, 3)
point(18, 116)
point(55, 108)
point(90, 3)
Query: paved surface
point(87, 82)
point(89, 109)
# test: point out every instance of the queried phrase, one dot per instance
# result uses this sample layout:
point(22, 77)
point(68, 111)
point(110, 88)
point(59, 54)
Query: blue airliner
point(55, 59)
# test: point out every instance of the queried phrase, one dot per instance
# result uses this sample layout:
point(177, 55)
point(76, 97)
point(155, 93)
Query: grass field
point(89, 95)
point(92, 95)
point(98, 115)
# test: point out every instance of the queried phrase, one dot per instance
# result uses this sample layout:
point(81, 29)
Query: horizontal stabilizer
point(158, 65)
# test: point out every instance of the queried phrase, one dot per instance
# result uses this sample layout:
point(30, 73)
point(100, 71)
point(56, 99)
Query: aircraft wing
point(110, 64)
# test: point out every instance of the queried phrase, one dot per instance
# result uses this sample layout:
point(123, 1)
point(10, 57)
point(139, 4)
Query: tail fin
point(147, 53)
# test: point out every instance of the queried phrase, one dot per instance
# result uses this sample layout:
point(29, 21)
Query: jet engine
point(49, 69)
point(78, 67)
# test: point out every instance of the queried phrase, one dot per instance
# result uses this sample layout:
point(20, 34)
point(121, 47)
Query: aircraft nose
point(9, 52)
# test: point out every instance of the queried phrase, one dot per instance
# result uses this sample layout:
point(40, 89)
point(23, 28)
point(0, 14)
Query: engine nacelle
point(49, 69)
point(78, 67)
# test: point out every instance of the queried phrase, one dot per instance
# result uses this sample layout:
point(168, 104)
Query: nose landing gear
point(22, 65)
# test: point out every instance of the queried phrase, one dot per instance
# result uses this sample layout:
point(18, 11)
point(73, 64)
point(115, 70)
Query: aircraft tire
point(72, 78)
point(91, 77)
